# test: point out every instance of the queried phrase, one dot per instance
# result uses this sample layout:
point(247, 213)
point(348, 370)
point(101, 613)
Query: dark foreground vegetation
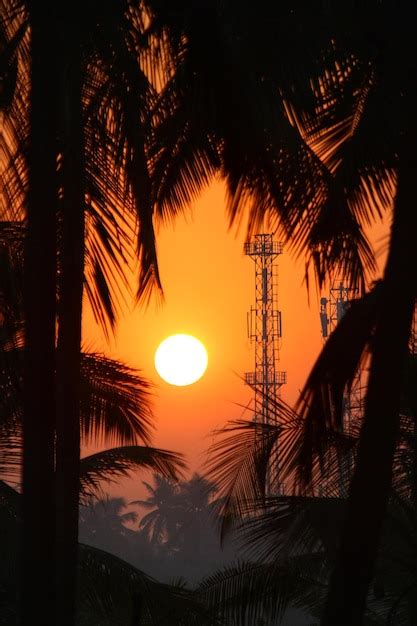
point(115, 115)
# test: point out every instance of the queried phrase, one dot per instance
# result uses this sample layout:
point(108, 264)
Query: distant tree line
point(173, 535)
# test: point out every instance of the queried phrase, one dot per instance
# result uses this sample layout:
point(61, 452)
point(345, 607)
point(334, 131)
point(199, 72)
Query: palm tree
point(114, 401)
point(88, 63)
point(162, 522)
point(367, 156)
point(368, 145)
point(181, 523)
point(198, 508)
point(294, 539)
point(263, 164)
point(111, 590)
point(102, 524)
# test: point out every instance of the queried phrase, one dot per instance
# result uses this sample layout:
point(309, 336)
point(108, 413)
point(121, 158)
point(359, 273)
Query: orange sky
point(209, 287)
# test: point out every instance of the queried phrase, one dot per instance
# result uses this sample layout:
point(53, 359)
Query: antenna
point(338, 303)
point(332, 311)
point(265, 326)
point(265, 329)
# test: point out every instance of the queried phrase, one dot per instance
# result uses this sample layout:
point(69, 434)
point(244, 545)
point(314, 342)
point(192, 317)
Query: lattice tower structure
point(265, 328)
point(331, 312)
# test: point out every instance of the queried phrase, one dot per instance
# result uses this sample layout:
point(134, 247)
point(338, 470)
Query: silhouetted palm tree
point(182, 527)
point(161, 524)
point(111, 590)
point(292, 541)
point(114, 400)
point(94, 70)
point(261, 165)
point(363, 132)
point(368, 144)
point(103, 523)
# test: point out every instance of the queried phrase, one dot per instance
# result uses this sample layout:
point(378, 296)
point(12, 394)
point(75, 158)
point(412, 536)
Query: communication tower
point(331, 312)
point(264, 327)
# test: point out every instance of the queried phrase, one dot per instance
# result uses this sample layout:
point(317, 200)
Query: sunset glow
point(181, 360)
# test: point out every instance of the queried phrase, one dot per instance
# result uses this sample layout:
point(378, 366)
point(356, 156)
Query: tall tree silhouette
point(198, 517)
point(181, 523)
point(362, 132)
point(114, 400)
point(111, 590)
point(95, 70)
point(369, 146)
point(291, 542)
point(38, 544)
point(161, 524)
point(196, 131)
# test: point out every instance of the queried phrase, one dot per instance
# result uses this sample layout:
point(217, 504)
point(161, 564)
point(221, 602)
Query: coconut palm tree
point(114, 401)
point(292, 541)
point(162, 522)
point(370, 152)
point(111, 590)
point(262, 164)
point(83, 175)
point(368, 71)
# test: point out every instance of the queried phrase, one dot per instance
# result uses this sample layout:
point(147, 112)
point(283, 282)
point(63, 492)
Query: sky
point(209, 285)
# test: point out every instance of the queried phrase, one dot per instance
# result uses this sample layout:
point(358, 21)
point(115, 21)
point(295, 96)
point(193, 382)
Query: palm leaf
point(115, 402)
point(286, 526)
point(242, 457)
point(114, 593)
point(248, 592)
point(320, 405)
point(119, 462)
point(270, 169)
point(115, 408)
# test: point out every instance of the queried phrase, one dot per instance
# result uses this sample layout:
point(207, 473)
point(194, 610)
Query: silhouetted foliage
point(174, 534)
point(290, 542)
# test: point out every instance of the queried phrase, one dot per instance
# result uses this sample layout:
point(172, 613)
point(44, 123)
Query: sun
point(181, 360)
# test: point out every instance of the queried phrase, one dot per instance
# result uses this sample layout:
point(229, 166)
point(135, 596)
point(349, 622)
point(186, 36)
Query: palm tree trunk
point(69, 335)
point(371, 483)
point(38, 502)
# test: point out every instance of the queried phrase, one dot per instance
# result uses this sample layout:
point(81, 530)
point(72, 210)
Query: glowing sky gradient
point(209, 287)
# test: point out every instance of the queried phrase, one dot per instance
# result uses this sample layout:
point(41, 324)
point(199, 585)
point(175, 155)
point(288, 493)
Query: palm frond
point(271, 170)
point(109, 246)
point(14, 90)
point(321, 402)
point(124, 114)
point(115, 408)
point(336, 243)
point(114, 593)
point(184, 154)
point(115, 402)
point(287, 526)
point(109, 465)
point(238, 464)
point(247, 592)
